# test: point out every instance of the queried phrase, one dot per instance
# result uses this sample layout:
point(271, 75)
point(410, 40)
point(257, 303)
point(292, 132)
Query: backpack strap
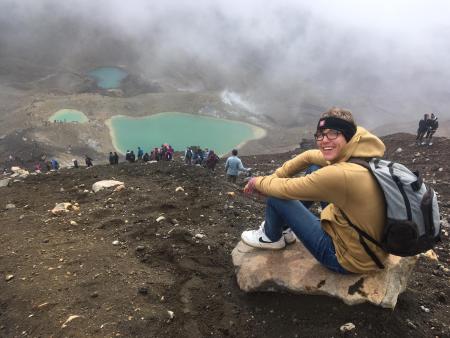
point(363, 235)
point(362, 161)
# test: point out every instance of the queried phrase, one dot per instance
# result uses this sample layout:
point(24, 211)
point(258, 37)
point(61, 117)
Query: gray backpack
point(412, 213)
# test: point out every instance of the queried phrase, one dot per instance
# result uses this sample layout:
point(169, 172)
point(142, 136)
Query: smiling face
point(331, 149)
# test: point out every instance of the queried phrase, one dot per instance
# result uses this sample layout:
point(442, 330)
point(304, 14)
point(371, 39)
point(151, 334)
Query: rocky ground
point(115, 268)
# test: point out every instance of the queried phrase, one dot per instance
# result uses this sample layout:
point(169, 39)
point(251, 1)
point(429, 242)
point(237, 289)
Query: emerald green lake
point(180, 130)
point(69, 115)
point(108, 77)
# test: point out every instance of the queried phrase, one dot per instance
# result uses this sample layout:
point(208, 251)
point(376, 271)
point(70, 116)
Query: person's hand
point(250, 187)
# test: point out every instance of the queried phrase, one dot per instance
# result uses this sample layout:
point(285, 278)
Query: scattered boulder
point(295, 269)
point(10, 206)
point(62, 208)
point(19, 172)
point(179, 189)
point(5, 182)
point(347, 327)
point(100, 185)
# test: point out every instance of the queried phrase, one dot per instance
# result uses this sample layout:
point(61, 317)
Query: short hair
point(234, 152)
point(340, 113)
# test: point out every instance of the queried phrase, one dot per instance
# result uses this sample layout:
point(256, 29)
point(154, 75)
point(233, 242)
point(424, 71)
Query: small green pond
point(68, 115)
point(108, 77)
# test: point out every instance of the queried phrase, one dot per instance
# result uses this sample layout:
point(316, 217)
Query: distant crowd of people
point(193, 155)
point(427, 128)
point(197, 156)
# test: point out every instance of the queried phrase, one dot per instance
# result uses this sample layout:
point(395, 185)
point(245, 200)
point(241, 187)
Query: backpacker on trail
point(412, 213)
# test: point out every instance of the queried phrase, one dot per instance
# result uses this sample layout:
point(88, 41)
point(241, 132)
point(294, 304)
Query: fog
point(385, 60)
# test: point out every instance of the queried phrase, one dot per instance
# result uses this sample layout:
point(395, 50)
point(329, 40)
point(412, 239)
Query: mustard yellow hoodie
point(346, 186)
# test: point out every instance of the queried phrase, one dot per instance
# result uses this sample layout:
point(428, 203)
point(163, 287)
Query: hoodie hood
point(362, 144)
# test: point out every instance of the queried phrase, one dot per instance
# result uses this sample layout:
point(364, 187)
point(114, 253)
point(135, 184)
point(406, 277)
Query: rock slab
point(100, 185)
point(295, 270)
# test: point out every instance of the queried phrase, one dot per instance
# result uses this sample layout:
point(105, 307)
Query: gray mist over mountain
point(385, 60)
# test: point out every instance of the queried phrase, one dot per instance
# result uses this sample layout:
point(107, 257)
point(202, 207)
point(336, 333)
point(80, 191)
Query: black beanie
point(347, 128)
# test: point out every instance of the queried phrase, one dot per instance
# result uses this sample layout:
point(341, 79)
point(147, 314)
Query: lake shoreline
point(257, 132)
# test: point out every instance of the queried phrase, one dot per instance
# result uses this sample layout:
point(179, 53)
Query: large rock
point(19, 172)
point(100, 185)
point(295, 269)
point(62, 208)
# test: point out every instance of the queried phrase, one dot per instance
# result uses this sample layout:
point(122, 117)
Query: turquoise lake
point(69, 115)
point(180, 130)
point(108, 77)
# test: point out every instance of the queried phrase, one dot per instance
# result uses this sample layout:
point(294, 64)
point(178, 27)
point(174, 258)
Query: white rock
point(425, 309)
point(179, 189)
point(347, 327)
point(10, 206)
point(399, 150)
point(69, 320)
point(294, 269)
point(199, 236)
point(73, 223)
point(9, 277)
point(100, 185)
point(116, 242)
point(160, 218)
point(5, 182)
point(171, 314)
point(441, 169)
point(61, 208)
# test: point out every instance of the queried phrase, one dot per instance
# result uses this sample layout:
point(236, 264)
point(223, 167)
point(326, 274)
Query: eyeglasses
point(330, 134)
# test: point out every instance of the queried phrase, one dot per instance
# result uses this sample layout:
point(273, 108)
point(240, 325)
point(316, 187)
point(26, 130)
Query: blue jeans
point(281, 214)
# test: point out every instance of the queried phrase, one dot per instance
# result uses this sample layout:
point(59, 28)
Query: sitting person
point(347, 187)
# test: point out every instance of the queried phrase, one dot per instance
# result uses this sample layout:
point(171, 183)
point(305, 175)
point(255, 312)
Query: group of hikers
point(197, 156)
point(53, 164)
point(427, 127)
point(165, 152)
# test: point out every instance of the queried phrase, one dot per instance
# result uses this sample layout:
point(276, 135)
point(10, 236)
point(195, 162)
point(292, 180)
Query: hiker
point(54, 164)
point(146, 157)
point(170, 152)
point(132, 157)
point(75, 163)
point(347, 188)
point(88, 161)
point(188, 156)
point(233, 165)
point(423, 126)
point(38, 168)
point(211, 160)
point(199, 156)
point(116, 158)
point(127, 156)
point(432, 126)
point(140, 153)
point(111, 158)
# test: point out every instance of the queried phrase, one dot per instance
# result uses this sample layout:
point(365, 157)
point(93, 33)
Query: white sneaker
point(258, 239)
point(289, 236)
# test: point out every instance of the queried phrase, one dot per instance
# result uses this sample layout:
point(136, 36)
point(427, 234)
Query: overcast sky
point(291, 56)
